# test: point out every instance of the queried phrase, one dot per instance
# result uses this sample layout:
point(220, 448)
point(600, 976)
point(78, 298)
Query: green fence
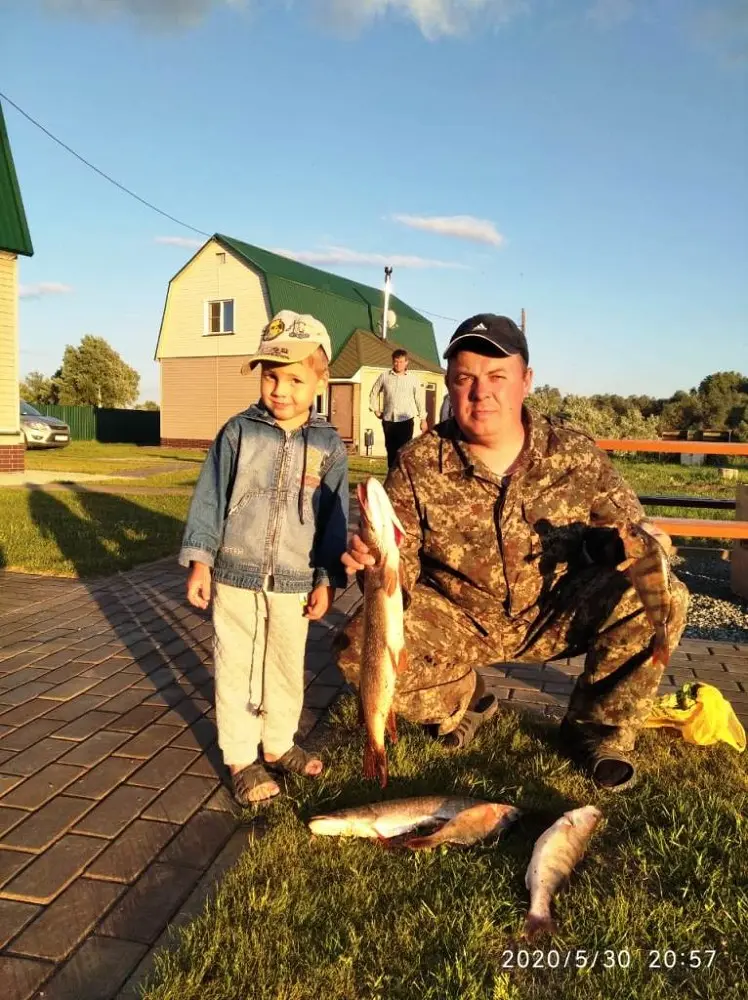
point(90, 423)
point(80, 419)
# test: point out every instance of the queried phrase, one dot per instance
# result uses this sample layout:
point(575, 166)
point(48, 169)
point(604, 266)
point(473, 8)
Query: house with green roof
point(216, 307)
point(14, 240)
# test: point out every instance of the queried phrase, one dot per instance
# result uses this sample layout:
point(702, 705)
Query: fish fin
point(661, 652)
point(421, 843)
point(375, 764)
point(537, 924)
point(392, 725)
point(402, 661)
point(400, 532)
point(390, 579)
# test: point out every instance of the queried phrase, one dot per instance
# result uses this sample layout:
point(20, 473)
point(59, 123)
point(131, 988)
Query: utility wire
point(148, 204)
point(101, 173)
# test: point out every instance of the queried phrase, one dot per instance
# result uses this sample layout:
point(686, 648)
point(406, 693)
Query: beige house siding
point(368, 377)
point(9, 399)
point(214, 273)
point(198, 396)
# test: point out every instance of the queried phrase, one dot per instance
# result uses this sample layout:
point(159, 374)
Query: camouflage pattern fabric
point(519, 568)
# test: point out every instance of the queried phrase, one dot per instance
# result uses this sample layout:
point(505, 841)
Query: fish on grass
point(383, 644)
point(648, 569)
point(384, 820)
point(555, 855)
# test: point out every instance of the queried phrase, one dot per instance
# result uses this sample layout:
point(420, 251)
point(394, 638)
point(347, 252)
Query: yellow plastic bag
point(701, 713)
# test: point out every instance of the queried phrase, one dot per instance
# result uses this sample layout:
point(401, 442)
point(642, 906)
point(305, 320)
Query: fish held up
point(555, 855)
point(383, 653)
point(648, 568)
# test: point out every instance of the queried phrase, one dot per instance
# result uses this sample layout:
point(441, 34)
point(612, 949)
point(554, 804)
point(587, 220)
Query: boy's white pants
point(260, 639)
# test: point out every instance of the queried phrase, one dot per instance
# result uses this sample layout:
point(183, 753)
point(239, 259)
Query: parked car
point(41, 431)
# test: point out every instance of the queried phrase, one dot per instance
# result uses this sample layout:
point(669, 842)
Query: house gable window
point(219, 317)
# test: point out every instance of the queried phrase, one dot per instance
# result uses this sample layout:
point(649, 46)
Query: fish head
point(585, 819)
point(330, 826)
point(381, 529)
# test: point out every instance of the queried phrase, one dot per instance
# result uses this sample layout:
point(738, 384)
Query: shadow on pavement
point(144, 610)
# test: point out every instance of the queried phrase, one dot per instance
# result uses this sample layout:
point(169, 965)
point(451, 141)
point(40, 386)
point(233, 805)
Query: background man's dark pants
point(396, 434)
point(595, 612)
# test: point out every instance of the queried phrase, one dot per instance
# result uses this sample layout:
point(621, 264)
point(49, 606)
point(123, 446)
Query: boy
point(264, 536)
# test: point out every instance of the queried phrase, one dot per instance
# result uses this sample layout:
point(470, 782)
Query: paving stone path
point(114, 818)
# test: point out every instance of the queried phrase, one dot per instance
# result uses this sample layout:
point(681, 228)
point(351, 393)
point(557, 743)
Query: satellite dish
point(391, 319)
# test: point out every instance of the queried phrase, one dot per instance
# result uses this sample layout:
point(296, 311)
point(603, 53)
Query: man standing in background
point(402, 403)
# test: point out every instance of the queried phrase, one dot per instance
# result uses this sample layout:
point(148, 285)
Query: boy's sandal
point(471, 722)
point(249, 778)
point(294, 761)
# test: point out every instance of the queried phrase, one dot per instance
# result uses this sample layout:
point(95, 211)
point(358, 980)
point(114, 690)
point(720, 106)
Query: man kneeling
point(514, 528)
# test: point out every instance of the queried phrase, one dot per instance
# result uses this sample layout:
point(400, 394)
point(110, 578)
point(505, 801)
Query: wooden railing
point(688, 527)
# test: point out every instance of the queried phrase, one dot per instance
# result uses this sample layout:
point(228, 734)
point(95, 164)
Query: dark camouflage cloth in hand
point(519, 568)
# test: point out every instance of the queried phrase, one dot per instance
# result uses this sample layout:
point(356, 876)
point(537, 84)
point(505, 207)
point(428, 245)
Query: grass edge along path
point(303, 918)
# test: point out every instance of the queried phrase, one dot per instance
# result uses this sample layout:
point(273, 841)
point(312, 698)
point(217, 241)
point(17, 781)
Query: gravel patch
point(714, 612)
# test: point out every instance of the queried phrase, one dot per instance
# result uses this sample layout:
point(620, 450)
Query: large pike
point(383, 642)
point(649, 572)
point(398, 816)
point(554, 857)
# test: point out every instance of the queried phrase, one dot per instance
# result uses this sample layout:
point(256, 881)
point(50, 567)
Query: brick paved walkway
point(112, 807)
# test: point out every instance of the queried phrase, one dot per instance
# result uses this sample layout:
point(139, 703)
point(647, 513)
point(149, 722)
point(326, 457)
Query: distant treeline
point(719, 402)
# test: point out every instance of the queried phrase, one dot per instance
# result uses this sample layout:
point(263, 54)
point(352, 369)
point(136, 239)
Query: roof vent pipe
point(385, 311)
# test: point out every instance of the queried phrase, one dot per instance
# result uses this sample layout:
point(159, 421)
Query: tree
point(36, 388)
point(148, 405)
point(94, 374)
point(546, 399)
point(723, 396)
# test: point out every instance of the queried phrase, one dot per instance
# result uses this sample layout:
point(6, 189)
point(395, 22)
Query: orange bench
point(684, 527)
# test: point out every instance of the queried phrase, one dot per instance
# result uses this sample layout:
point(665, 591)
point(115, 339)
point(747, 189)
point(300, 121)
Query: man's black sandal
point(471, 722)
point(610, 770)
point(294, 761)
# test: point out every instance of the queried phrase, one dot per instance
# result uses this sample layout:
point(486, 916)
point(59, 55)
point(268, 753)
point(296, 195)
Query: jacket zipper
point(499, 513)
point(276, 518)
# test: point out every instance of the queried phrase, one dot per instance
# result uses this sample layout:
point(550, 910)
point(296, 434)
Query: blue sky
point(585, 159)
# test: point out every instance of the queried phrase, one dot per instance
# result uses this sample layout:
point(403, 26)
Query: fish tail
point(392, 726)
point(537, 924)
point(375, 763)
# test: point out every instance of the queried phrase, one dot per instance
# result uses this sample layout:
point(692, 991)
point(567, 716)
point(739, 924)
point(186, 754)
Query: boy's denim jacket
point(272, 503)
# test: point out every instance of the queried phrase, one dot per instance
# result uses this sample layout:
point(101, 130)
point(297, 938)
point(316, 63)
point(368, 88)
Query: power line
point(101, 173)
point(451, 319)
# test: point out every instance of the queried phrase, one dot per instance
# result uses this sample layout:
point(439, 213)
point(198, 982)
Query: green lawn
point(109, 459)
point(306, 919)
point(89, 534)
point(86, 534)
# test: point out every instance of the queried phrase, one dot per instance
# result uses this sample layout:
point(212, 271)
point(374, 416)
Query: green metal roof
point(342, 304)
point(14, 231)
point(365, 349)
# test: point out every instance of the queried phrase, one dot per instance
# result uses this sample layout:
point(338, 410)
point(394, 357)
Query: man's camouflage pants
point(596, 612)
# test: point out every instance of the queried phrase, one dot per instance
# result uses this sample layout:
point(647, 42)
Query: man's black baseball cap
point(500, 331)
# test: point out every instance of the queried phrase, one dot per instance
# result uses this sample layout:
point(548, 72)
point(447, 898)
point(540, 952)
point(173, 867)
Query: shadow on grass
point(144, 611)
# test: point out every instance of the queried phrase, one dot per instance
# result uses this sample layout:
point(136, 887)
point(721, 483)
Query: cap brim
point(291, 354)
point(453, 344)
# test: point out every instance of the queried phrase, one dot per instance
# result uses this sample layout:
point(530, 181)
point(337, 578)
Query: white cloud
point(610, 13)
point(434, 18)
point(41, 288)
point(330, 256)
point(461, 227)
point(156, 14)
point(724, 28)
point(179, 241)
